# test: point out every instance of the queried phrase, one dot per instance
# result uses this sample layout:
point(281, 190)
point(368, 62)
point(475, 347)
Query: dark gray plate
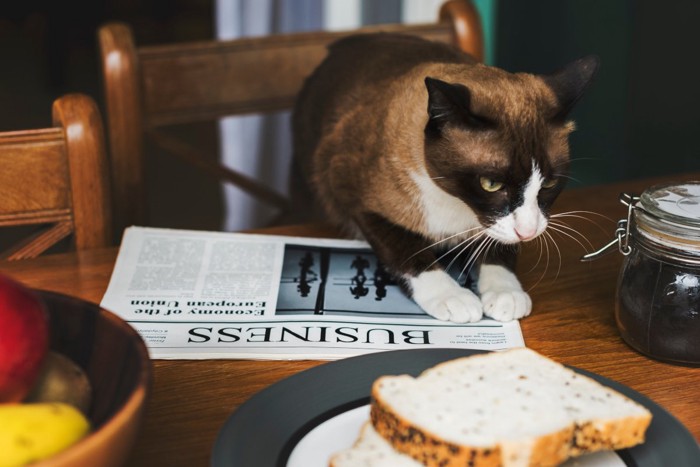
point(265, 429)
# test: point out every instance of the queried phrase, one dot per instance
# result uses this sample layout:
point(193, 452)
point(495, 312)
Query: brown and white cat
point(418, 148)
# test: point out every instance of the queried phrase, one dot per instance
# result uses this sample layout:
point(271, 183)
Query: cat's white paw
point(506, 305)
point(443, 298)
point(502, 297)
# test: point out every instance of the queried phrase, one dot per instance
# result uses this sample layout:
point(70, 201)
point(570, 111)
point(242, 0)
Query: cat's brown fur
point(387, 120)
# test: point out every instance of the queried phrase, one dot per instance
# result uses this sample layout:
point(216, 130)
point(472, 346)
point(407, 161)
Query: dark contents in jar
point(658, 308)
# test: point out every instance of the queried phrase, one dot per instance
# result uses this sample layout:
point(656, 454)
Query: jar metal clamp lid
point(666, 218)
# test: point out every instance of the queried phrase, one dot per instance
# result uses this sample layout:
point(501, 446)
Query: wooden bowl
point(116, 361)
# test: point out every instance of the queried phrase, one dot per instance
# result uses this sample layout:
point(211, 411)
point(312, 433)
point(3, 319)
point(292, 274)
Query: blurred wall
point(640, 116)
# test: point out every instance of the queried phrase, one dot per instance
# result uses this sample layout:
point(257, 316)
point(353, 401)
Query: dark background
point(640, 116)
point(49, 47)
point(638, 119)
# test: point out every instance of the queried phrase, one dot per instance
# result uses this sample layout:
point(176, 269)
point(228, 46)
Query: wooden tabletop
point(572, 322)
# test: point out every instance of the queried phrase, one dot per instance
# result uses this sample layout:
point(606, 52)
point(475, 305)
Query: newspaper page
point(201, 295)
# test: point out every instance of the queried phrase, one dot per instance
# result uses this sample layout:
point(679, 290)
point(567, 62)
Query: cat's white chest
point(443, 214)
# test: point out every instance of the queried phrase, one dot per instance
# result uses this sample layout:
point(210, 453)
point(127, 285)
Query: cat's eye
point(550, 183)
point(490, 185)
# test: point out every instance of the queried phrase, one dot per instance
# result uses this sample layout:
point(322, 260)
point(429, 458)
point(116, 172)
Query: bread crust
point(609, 435)
point(424, 446)
point(547, 450)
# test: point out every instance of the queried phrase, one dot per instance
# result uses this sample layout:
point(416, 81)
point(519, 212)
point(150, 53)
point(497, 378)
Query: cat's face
point(505, 154)
point(508, 183)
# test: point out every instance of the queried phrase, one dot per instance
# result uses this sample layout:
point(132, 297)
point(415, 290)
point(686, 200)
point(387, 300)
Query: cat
point(418, 148)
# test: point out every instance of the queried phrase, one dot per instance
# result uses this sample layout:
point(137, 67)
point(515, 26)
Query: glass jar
point(658, 291)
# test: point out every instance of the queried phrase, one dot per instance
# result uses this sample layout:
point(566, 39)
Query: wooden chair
point(56, 178)
point(150, 88)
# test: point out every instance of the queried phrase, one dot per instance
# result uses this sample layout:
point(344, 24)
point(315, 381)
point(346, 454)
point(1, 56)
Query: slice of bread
point(371, 450)
point(511, 408)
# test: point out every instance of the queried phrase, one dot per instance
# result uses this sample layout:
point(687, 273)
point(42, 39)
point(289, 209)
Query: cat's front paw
point(506, 305)
point(443, 298)
point(502, 296)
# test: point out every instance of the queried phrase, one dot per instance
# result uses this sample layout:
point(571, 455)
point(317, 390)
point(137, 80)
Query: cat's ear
point(449, 103)
point(569, 83)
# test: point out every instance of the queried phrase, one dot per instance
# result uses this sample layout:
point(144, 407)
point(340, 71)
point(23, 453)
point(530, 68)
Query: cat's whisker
point(491, 244)
point(468, 241)
point(475, 255)
point(573, 234)
point(541, 242)
point(539, 256)
point(545, 242)
point(494, 244)
point(554, 242)
point(579, 215)
point(582, 215)
point(459, 245)
point(564, 229)
point(434, 244)
point(468, 245)
point(472, 258)
point(441, 115)
point(577, 159)
point(546, 264)
point(569, 177)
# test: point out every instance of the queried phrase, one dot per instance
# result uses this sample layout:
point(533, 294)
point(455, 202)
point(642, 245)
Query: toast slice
point(371, 450)
point(511, 408)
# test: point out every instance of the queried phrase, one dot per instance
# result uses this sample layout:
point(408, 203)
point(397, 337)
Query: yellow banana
point(30, 432)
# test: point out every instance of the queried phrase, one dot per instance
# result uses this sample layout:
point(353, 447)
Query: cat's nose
point(525, 233)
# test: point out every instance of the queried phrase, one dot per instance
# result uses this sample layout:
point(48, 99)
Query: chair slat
point(34, 175)
point(34, 245)
point(56, 178)
point(270, 72)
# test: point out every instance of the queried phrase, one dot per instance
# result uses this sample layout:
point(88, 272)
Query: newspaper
point(199, 295)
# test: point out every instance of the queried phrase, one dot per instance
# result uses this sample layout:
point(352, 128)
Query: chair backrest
point(56, 178)
point(148, 88)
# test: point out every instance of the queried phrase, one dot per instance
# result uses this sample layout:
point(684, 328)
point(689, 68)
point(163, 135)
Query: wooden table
point(572, 322)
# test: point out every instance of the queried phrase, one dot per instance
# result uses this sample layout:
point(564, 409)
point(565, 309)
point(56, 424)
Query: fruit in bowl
point(61, 380)
point(29, 372)
point(24, 338)
point(38, 430)
point(82, 403)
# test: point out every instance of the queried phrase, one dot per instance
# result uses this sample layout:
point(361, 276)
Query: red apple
point(24, 339)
